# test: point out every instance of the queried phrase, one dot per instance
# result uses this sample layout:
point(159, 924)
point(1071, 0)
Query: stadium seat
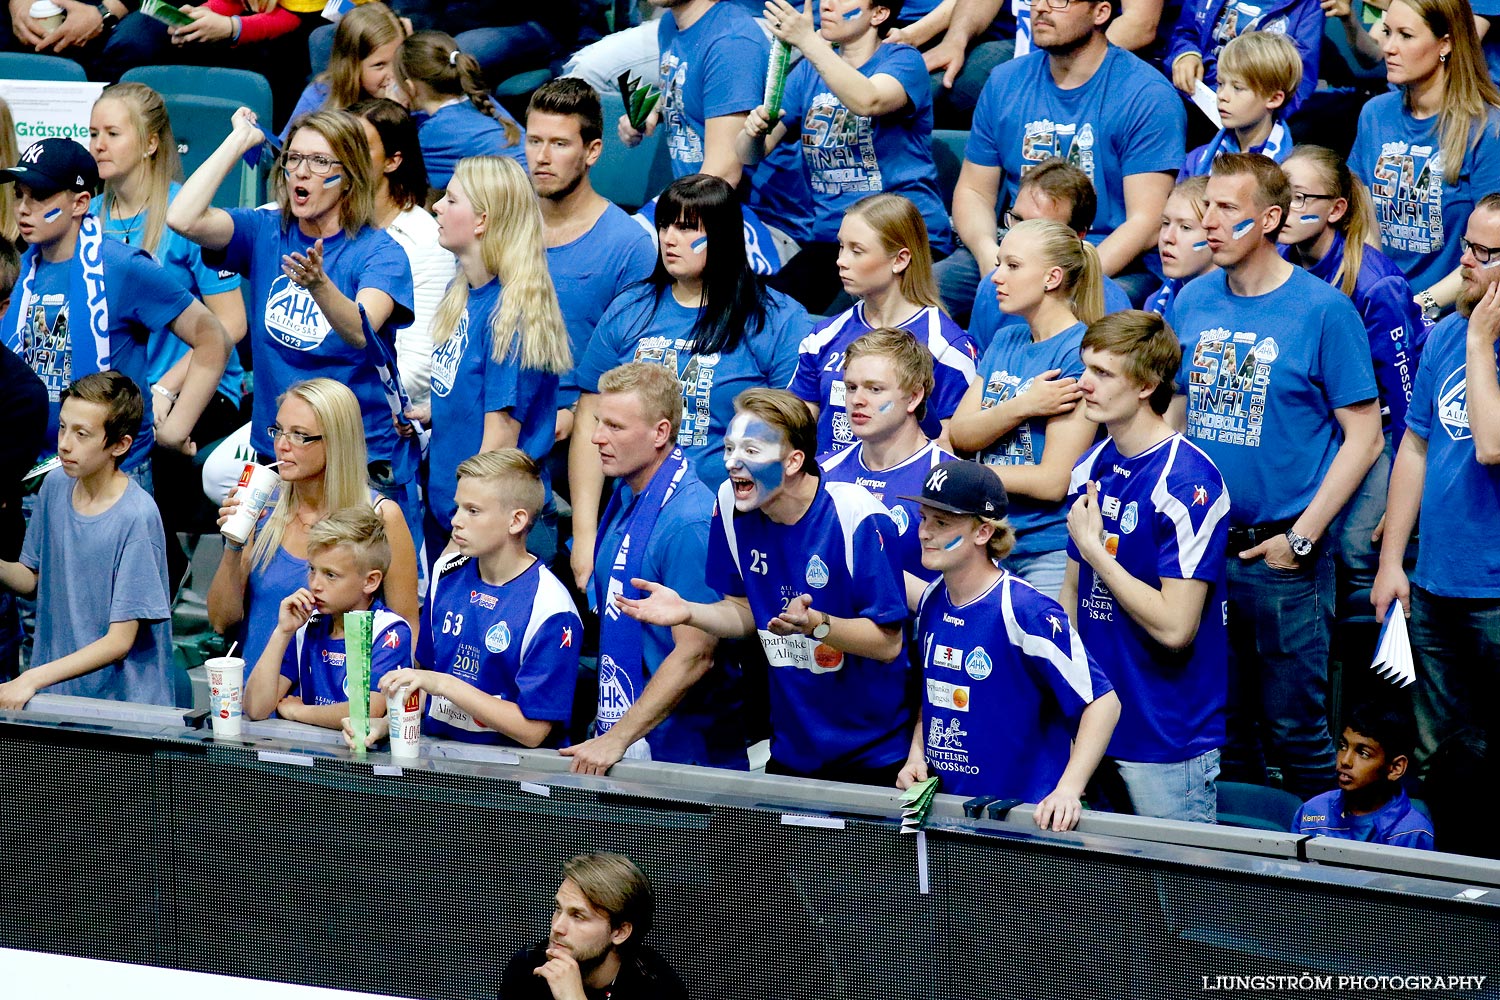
point(200, 124)
point(948, 155)
point(31, 66)
point(237, 85)
point(629, 177)
point(1258, 807)
point(522, 84)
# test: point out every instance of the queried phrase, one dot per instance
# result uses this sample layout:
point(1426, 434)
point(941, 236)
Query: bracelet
point(234, 19)
point(233, 547)
point(162, 391)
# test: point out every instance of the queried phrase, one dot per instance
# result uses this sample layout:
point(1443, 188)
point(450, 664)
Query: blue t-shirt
point(1007, 680)
point(183, 260)
point(705, 728)
point(290, 338)
point(820, 370)
point(1396, 824)
point(1421, 215)
point(829, 709)
point(985, 318)
point(142, 298)
point(1008, 368)
point(1127, 119)
point(451, 133)
point(1206, 26)
point(314, 660)
point(1261, 392)
point(764, 358)
point(904, 479)
point(590, 272)
point(779, 193)
point(1166, 513)
point(1458, 556)
point(518, 642)
point(94, 570)
point(716, 67)
point(467, 383)
point(849, 156)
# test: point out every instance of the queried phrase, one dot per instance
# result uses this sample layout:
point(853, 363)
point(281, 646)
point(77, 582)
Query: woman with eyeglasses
point(318, 441)
point(315, 262)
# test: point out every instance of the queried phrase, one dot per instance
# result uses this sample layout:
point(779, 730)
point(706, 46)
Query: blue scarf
point(383, 357)
point(86, 298)
point(622, 662)
point(1277, 145)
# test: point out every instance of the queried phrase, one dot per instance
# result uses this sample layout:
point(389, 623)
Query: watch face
point(821, 632)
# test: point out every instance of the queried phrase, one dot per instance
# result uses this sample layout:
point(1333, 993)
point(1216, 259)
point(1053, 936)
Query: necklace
point(129, 230)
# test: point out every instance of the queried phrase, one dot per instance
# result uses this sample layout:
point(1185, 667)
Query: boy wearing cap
point(87, 304)
point(1014, 706)
point(1145, 578)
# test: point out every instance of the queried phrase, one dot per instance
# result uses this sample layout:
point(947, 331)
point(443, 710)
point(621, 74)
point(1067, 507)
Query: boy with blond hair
point(301, 672)
point(1259, 72)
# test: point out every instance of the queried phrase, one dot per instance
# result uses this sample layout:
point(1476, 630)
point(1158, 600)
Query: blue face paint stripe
point(1201, 245)
point(852, 15)
point(957, 541)
point(54, 213)
point(1310, 218)
point(886, 406)
point(1241, 228)
point(336, 179)
point(700, 244)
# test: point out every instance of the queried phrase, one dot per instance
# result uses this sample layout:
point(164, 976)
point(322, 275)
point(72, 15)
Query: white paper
point(276, 757)
point(1393, 659)
point(1208, 103)
point(536, 789)
point(825, 822)
point(923, 885)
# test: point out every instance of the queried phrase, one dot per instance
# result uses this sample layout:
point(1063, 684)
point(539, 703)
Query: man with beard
point(1096, 106)
point(1446, 469)
point(594, 249)
point(594, 951)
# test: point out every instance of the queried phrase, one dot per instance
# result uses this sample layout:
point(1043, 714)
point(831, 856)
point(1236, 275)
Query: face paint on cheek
point(333, 181)
point(1201, 245)
point(1241, 228)
point(957, 541)
point(852, 15)
point(700, 244)
point(886, 406)
point(49, 216)
point(1309, 219)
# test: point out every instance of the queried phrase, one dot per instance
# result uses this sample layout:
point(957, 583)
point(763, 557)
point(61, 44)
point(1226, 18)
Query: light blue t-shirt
point(1009, 366)
point(183, 260)
point(590, 272)
point(1421, 215)
point(1458, 556)
point(1127, 119)
point(290, 338)
point(985, 318)
point(716, 67)
point(848, 156)
point(451, 133)
point(640, 326)
point(467, 383)
point(95, 570)
point(1263, 375)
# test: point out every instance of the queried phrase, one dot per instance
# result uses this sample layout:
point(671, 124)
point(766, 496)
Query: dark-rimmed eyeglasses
point(1481, 253)
point(1300, 199)
point(318, 163)
point(295, 437)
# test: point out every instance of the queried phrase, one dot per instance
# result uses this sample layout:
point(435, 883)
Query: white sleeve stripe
point(1084, 470)
point(1072, 666)
point(552, 598)
point(814, 342)
point(942, 349)
point(726, 518)
point(853, 504)
point(1191, 545)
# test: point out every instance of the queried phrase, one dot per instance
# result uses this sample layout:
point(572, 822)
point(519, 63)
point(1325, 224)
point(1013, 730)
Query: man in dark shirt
point(594, 951)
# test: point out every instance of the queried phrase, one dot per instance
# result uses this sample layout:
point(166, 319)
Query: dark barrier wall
point(187, 854)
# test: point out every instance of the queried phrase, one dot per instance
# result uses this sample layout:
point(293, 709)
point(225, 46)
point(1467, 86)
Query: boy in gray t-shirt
point(95, 557)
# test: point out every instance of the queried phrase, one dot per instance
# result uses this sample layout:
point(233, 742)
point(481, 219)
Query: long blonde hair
point(148, 115)
point(899, 224)
point(9, 157)
point(512, 250)
point(1357, 224)
point(1469, 94)
point(345, 135)
point(346, 476)
point(359, 33)
point(1083, 278)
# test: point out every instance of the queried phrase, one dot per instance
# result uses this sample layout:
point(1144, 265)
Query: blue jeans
point(1044, 570)
point(1186, 790)
point(1359, 557)
point(1456, 644)
point(1279, 627)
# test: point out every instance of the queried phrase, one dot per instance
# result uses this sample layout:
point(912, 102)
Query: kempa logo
point(937, 479)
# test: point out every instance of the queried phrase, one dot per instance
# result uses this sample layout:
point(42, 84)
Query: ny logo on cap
point(936, 480)
point(32, 154)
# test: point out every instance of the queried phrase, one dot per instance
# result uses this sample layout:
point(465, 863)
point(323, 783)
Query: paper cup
point(405, 718)
point(226, 679)
point(257, 486)
point(47, 14)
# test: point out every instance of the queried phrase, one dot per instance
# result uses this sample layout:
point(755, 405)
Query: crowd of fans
point(1074, 493)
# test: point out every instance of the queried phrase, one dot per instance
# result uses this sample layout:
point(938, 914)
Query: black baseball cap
point(961, 487)
point(54, 165)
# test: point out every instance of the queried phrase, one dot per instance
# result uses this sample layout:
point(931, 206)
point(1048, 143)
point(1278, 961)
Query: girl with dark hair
point(400, 193)
point(702, 313)
point(456, 115)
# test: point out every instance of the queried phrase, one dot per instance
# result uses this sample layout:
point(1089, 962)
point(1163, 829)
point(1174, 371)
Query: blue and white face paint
point(1200, 245)
point(852, 15)
point(700, 244)
point(1242, 227)
point(51, 214)
point(1310, 220)
point(333, 181)
point(753, 456)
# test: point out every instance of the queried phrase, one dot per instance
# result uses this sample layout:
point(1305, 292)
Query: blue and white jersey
point(716, 67)
point(1263, 375)
point(1166, 517)
point(518, 642)
point(820, 370)
point(888, 486)
point(1458, 556)
point(314, 660)
point(828, 708)
point(1397, 823)
point(1006, 680)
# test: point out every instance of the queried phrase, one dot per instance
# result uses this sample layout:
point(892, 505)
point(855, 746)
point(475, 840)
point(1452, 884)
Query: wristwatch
point(821, 632)
point(1430, 309)
point(1302, 546)
point(108, 21)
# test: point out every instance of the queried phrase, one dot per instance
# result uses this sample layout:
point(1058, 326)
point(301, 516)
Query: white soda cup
point(405, 717)
point(48, 15)
point(226, 679)
point(258, 484)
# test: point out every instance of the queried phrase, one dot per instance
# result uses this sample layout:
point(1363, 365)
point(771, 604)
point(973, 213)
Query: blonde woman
point(315, 262)
point(131, 138)
point(321, 448)
point(499, 340)
point(1022, 416)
